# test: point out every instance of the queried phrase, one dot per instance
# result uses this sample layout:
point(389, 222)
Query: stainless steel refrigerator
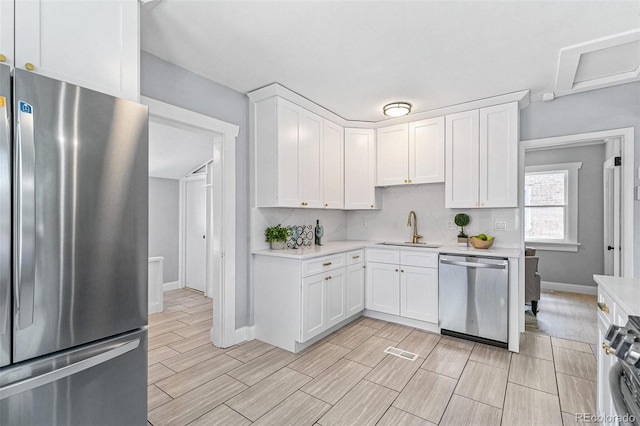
point(73, 254)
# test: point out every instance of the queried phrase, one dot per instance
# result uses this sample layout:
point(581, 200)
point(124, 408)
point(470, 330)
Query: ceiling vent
point(603, 62)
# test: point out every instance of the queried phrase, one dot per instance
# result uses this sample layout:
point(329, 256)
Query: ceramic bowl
point(481, 244)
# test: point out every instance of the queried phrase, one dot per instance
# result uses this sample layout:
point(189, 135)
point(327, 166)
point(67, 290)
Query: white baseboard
point(173, 285)
point(571, 288)
point(245, 333)
point(155, 308)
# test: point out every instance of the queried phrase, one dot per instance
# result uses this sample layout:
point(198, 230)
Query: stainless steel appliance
point(624, 376)
point(473, 298)
point(73, 254)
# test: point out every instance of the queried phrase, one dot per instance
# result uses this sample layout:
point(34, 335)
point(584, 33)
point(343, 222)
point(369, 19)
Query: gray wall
point(578, 267)
point(164, 200)
point(176, 86)
point(603, 109)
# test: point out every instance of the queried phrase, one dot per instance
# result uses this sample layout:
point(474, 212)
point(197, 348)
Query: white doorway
point(195, 247)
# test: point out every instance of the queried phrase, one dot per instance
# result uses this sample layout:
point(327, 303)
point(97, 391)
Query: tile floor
point(347, 379)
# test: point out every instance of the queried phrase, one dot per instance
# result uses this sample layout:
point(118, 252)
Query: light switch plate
point(637, 192)
point(500, 225)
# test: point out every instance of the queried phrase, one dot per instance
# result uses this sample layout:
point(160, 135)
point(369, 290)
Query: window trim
point(570, 242)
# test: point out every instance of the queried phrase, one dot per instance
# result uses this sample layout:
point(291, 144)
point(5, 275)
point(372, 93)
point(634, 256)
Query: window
point(551, 206)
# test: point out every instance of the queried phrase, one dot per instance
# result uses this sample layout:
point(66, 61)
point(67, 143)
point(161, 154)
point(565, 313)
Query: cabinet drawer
point(605, 307)
point(419, 258)
point(383, 256)
point(320, 264)
point(356, 256)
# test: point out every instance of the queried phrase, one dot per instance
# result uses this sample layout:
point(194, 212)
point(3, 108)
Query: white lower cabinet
point(355, 288)
point(314, 317)
point(403, 283)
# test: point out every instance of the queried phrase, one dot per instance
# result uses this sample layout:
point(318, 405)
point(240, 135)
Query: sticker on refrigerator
point(2, 101)
point(25, 107)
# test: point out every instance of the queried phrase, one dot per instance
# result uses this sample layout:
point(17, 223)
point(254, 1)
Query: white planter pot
point(278, 245)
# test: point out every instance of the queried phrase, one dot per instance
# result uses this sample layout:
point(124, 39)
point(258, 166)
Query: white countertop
point(332, 247)
point(625, 291)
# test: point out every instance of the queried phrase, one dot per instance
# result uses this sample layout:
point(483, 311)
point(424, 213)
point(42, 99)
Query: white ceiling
point(353, 57)
point(175, 152)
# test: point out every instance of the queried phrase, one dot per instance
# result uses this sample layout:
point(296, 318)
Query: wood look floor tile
point(491, 355)
point(193, 357)
point(198, 318)
point(526, 406)
point(371, 352)
point(319, 359)
point(483, 383)
point(576, 395)
point(419, 342)
point(353, 337)
point(447, 360)
point(155, 397)
point(557, 342)
point(395, 417)
point(575, 363)
point(458, 343)
point(336, 381)
point(157, 372)
point(194, 404)
point(257, 369)
point(533, 372)
point(364, 405)
point(372, 322)
point(571, 420)
point(160, 354)
point(264, 396)
point(191, 378)
point(165, 317)
point(536, 345)
point(185, 345)
point(250, 350)
point(395, 332)
point(221, 416)
point(165, 328)
point(394, 372)
point(200, 328)
point(426, 395)
point(199, 302)
point(164, 339)
point(466, 412)
point(298, 409)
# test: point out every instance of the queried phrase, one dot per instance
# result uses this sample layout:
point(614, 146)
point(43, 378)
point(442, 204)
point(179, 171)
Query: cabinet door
point(6, 32)
point(359, 169)
point(94, 44)
point(355, 289)
point(498, 170)
point(336, 294)
point(393, 155)
point(419, 293)
point(426, 151)
point(383, 288)
point(310, 161)
point(289, 118)
point(333, 166)
point(313, 312)
point(604, 401)
point(461, 181)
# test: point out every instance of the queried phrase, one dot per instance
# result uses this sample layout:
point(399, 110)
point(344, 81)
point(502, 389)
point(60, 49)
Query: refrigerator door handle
point(25, 217)
point(5, 215)
point(69, 370)
point(474, 265)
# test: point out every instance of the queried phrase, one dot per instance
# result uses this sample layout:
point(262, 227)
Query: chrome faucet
point(416, 236)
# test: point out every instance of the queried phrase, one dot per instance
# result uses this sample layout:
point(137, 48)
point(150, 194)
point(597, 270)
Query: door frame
point(182, 249)
point(221, 265)
point(626, 136)
point(611, 188)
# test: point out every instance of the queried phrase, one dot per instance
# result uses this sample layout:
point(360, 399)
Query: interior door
point(196, 233)
point(612, 211)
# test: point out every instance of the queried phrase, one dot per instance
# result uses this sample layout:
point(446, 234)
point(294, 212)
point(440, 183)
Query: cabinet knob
point(396, 270)
point(410, 181)
point(327, 278)
point(30, 66)
point(371, 205)
point(405, 181)
point(326, 205)
point(607, 349)
point(3, 58)
point(401, 270)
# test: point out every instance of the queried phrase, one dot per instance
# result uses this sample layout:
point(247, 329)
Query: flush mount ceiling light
point(397, 109)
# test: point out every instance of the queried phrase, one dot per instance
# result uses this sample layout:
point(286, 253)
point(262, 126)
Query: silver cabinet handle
point(25, 216)
point(52, 376)
point(473, 265)
point(5, 212)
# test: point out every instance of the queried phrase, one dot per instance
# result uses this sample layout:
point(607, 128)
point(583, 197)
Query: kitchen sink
point(408, 244)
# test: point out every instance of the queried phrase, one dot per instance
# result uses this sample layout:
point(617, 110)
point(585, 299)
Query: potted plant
point(462, 220)
point(276, 236)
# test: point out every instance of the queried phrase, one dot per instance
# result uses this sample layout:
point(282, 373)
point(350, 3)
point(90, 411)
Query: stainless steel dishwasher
point(473, 298)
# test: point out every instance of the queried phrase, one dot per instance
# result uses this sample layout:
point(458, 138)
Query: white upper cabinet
point(310, 160)
point(360, 170)
point(94, 44)
point(333, 166)
point(288, 191)
point(6, 32)
point(482, 157)
point(411, 153)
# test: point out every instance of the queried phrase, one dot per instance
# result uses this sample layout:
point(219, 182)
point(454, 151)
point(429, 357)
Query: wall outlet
point(451, 225)
point(363, 223)
point(500, 225)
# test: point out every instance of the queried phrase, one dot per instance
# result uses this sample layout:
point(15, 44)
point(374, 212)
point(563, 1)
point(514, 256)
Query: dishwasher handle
point(473, 264)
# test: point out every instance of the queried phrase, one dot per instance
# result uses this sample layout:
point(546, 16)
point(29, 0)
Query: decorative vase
point(278, 245)
point(463, 242)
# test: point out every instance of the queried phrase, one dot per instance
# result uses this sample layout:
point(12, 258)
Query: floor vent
point(400, 353)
